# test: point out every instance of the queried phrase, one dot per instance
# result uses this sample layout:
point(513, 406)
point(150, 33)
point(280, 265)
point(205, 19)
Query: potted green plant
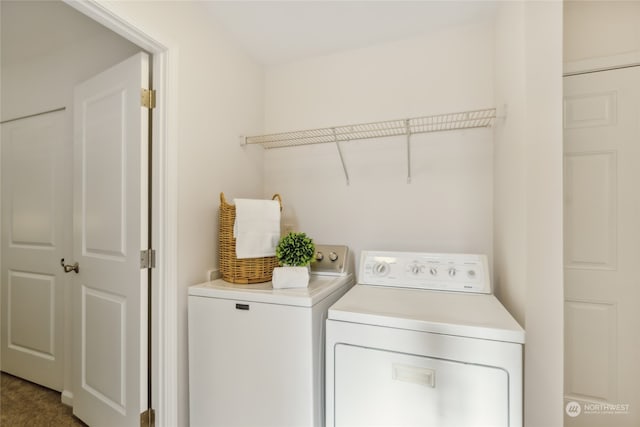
point(294, 252)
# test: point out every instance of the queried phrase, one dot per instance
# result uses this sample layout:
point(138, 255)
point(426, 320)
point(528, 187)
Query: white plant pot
point(290, 277)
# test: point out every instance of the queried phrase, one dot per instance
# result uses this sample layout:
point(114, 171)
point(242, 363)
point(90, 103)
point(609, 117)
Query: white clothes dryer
point(422, 341)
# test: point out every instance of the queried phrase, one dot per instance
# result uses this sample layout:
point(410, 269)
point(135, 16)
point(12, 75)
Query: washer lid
point(461, 314)
point(319, 288)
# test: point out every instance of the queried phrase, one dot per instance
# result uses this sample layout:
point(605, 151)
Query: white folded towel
point(257, 228)
point(290, 277)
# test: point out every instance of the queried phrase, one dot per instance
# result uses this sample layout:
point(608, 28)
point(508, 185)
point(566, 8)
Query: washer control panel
point(445, 272)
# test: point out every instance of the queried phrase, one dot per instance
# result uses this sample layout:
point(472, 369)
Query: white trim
point(67, 398)
point(164, 209)
point(604, 63)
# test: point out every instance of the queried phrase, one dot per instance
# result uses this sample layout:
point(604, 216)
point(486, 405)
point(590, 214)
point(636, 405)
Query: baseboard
point(67, 398)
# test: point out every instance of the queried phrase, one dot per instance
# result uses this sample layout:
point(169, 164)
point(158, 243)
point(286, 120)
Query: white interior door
point(110, 228)
point(36, 224)
point(602, 248)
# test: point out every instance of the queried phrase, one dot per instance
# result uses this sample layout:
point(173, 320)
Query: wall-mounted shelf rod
point(33, 115)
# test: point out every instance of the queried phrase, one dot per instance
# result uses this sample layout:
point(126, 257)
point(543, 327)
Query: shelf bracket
point(408, 132)
point(344, 167)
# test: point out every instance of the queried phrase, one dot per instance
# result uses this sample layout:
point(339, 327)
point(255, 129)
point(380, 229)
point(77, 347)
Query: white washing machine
point(256, 354)
point(422, 341)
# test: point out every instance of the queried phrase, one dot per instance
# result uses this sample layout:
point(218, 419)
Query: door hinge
point(148, 258)
point(148, 418)
point(148, 98)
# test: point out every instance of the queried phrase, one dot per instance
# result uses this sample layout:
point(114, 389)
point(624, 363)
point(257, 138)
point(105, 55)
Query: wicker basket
point(232, 269)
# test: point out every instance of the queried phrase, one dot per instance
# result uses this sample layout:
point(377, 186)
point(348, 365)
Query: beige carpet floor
point(23, 403)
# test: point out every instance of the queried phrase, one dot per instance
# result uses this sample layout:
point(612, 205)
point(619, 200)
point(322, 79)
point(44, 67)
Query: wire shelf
point(437, 123)
point(337, 134)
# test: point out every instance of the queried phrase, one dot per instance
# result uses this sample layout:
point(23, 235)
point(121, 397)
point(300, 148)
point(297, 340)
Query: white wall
point(510, 160)
point(220, 92)
point(600, 28)
point(46, 82)
point(39, 83)
point(528, 195)
point(544, 322)
point(448, 204)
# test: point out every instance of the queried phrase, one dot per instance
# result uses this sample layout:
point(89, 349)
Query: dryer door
point(378, 387)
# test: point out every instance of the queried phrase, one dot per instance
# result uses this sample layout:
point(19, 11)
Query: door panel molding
point(590, 110)
point(593, 376)
point(32, 328)
point(591, 200)
point(108, 388)
point(99, 239)
point(33, 178)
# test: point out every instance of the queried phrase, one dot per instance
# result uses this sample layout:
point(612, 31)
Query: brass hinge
point(147, 258)
point(148, 418)
point(148, 98)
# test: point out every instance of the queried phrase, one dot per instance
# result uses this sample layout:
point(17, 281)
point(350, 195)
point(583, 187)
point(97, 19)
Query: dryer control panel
point(445, 272)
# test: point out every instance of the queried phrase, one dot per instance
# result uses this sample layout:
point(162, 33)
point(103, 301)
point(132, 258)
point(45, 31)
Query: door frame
point(164, 207)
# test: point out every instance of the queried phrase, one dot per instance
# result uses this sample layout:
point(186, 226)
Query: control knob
point(416, 268)
point(333, 256)
point(319, 256)
point(380, 268)
point(452, 272)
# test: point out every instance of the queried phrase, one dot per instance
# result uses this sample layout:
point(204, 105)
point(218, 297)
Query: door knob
point(68, 268)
